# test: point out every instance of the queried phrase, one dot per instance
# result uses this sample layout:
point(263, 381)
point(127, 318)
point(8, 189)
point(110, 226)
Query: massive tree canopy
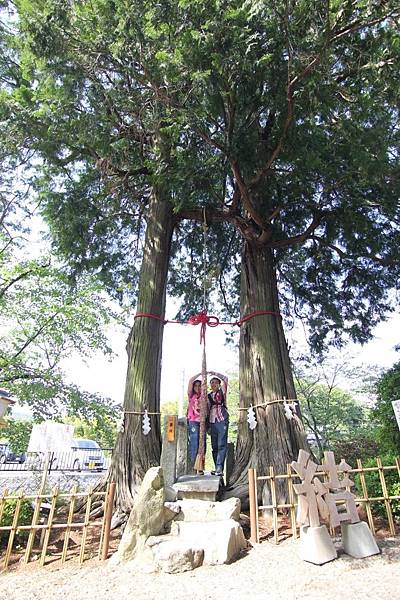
point(279, 123)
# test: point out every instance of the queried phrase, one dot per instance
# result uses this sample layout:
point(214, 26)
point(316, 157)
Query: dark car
point(8, 456)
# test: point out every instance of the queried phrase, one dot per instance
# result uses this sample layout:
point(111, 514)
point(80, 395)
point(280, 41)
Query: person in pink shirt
point(193, 417)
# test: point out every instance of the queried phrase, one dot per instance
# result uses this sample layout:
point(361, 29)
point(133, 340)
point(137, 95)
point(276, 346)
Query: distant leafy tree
point(388, 390)
point(17, 434)
point(102, 429)
point(331, 415)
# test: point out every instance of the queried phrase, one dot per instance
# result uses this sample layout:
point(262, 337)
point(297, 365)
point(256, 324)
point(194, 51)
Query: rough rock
point(170, 494)
point(222, 541)
point(173, 555)
point(146, 518)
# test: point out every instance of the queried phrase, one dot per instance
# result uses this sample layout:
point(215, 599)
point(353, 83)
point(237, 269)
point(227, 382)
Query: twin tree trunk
point(134, 452)
point(264, 375)
point(265, 372)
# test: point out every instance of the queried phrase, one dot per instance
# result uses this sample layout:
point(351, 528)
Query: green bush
point(363, 446)
point(24, 518)
point(374, 487)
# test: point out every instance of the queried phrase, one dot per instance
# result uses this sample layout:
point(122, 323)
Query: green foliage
point(388, 390)
point(374, 486)
point(45, 317)
point(361, 444)
point(24, 518)
point(253, 110)
point(331, 414)
point(102, 429)
point(17, 433)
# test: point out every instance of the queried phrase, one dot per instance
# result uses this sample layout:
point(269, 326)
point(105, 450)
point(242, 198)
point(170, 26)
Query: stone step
point(198, 487)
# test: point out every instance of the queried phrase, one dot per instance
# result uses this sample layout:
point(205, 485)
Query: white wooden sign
point(396, 408)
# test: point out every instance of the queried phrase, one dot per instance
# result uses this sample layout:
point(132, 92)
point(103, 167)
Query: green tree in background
point(17, 434)
point(336, 419)
point(102, 429)
point(388, 390)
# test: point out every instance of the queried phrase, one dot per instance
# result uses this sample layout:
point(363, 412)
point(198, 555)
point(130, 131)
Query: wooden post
point(13, 531)
point(274, 505)
point(291, 501)
point(254, 536)
point(365, 494)
point(386, 496)
point(85, 526)
point(107, 520)
point(68, 528)
point(48, 527)
point(34, 522)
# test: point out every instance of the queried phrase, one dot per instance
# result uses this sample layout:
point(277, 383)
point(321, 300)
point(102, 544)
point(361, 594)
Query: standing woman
point(219, 420)
point(193, 417)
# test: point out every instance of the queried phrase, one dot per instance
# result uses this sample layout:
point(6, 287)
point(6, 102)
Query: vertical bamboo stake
point(35, 520)
point(85, 526)
point(108, 510)
point(291, 501)
point(68, 528)
point(365, 494)
point(103, 525)
point(49, 524)
point(254, 534)
point(274, 505)
point(386, 496)
point(13, 531)
point(398, 465)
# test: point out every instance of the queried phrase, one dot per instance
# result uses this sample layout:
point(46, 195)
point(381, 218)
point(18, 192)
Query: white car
point(87, 455)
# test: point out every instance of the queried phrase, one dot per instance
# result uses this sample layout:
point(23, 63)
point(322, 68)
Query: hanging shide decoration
point(251, 418)
point(146, 427)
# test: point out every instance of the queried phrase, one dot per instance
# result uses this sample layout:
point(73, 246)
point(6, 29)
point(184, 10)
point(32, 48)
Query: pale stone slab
point(201, 510)
point(221, 541)
point(358, 540)
point(198, 483)
point(316, 545)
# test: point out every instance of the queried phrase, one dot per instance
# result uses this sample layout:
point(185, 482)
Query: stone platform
point(198, 487)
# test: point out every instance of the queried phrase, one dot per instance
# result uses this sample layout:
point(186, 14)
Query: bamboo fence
point(291, 506)
point(55, 521)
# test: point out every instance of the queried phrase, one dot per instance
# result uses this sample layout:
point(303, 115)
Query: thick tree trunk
point(265, 375)
point(135, 452)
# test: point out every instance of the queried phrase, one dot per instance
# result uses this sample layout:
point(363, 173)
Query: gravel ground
point(265, 571)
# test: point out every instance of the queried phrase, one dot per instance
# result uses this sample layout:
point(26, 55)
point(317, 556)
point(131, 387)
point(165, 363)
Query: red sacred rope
point(203, 319)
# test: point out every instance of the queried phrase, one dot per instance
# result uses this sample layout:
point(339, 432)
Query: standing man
point(219, 420)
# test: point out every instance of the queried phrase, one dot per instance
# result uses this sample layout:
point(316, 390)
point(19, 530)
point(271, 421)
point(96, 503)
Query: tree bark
point(135, 453)
point(265, 375)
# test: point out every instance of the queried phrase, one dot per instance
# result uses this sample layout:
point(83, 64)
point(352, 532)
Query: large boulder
point(173, 555)
point(222, 541)
point(146, 518)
